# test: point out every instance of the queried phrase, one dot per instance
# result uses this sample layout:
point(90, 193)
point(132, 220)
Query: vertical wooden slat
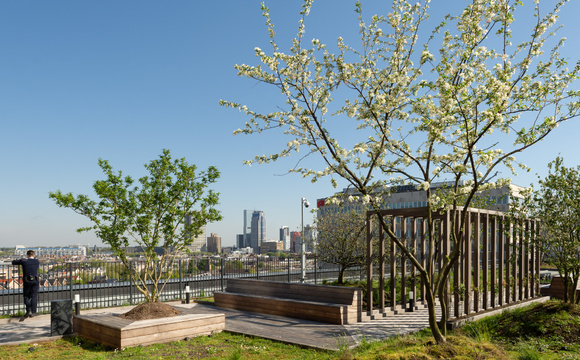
point(532, 259)
point(456, 272)
point(381, 272)
point(516, 262)
point(485, 259)
point(467, 264)
point(507, 234)
point(439, 240)
point(404, 264)
point(526, 259)
point(370, 265)
point(393, 267)
point(423, 254)
point(538, 259)
point(493, 253)
point(414, 252)
point(446, 251)
point(501, 260)
point(476, 262)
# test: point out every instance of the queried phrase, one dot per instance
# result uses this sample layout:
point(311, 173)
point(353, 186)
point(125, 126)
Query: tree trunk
point(439, 337)
point(341, 275)
point(566, 282)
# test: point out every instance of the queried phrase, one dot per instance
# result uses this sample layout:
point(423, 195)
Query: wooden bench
point(556, 288)
point(329, 304)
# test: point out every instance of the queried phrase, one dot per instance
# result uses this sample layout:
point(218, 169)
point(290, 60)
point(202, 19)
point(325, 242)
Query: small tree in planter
point(150, 213)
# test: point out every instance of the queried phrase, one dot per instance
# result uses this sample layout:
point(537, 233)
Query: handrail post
point(180, 280)
point(315, 271)
point(130, 284)
point(222, 274)
point(70, 278)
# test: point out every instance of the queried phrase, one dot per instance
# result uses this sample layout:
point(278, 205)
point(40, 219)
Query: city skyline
point(123, 80)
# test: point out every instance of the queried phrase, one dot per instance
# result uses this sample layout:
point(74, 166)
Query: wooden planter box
point(121, 333)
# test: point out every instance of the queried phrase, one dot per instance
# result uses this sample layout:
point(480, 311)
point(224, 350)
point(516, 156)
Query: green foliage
point(203, 265)
point(557, 204)
point(150, 212)
point(341, 239)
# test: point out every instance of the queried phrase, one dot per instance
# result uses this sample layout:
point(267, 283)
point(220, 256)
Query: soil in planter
point(150, 310)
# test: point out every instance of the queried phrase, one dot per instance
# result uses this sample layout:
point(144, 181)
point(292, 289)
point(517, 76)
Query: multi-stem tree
point(341, 240)
point(557, 204)
point(455, 106)
point(151, 215)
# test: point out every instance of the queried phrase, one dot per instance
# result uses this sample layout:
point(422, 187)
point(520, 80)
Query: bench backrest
point(322, 293)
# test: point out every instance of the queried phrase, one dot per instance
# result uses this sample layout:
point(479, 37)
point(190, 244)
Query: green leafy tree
point(341, 240)
point(454, 106)
point(557, 204)
point(151, 214)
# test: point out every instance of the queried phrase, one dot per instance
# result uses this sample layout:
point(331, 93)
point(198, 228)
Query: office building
point(247, 230)
point(295, 241)
point(240, 243)
point(285, 237)
point(258, 233)
point(68, 251)
point(271, 246)
point(408, 196)
point(199, 243)
point(309, 238)
point(214, 244)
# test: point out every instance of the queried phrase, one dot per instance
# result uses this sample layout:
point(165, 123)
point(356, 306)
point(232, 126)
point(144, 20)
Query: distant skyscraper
point(240, 243)
point(258, 234)
point(214, 244)
point(247, 229)
point(285, 237)
point(309, 238)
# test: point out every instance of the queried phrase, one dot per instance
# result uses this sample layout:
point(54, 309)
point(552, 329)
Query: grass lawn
point(544, 331)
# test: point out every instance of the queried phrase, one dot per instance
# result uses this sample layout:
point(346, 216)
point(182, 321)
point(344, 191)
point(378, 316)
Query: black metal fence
point(105, 284)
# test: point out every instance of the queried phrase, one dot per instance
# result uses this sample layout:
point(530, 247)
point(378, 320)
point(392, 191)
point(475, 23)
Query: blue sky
point(121, 80)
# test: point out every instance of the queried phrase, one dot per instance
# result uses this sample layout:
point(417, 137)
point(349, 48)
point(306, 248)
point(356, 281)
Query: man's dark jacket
point(29, 267)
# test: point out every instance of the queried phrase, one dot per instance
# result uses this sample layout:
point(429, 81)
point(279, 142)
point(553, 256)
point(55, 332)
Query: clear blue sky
point(121, 80)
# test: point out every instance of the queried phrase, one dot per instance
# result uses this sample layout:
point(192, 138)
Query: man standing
point(30, 282)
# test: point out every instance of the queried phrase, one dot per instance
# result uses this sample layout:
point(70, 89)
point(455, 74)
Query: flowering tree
point(341, 240)
point(455, 107)
point(152, 215)
point(557, 203)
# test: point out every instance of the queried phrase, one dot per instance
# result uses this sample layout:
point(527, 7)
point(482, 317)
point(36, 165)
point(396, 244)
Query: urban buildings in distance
point(73, 251)
point(253, 232)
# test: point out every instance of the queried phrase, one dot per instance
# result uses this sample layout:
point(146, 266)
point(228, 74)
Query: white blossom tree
point(455, 106)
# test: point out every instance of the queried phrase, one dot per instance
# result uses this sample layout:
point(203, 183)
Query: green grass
point(544, 331)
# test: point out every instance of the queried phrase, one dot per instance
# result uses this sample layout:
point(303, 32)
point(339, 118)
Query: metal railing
point(105, 284)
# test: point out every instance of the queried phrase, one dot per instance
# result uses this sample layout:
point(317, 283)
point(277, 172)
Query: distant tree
point(557, 204)
point(234, 266)
point(203, 264)
point(152, 214)
point(341, 240)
